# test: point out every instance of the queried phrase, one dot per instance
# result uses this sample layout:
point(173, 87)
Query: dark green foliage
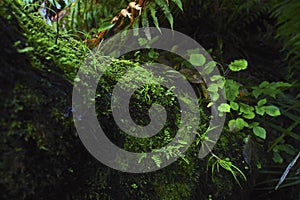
point(41, 155)
point(288, 30)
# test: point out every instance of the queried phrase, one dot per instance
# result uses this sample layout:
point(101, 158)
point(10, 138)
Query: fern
point(288, 17)
point(165, 8)
point(153, 15)
point(156, 160)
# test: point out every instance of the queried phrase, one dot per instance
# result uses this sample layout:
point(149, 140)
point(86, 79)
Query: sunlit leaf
point(260, 132)
point(238, 65)
point(231, 89)
point(262, 102)
point(234, 105)
point(105, 26)
point(197, 59)
point(224, 107)
point(272, 110)
point(240, 123)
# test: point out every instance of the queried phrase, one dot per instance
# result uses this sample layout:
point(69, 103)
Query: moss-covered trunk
point(41, 156)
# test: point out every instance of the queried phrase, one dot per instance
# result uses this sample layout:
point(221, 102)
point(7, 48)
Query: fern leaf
point(178, 3)
point(156, 160)
point(165, 8)
point(155, 20)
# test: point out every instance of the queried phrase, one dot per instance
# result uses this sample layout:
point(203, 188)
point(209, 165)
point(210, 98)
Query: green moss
point(47, 138)
point(45, 47)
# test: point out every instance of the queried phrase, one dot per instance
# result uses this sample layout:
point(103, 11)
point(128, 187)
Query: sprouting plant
point(216, 162)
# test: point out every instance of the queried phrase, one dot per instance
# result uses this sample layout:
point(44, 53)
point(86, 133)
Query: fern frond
point(166, 10)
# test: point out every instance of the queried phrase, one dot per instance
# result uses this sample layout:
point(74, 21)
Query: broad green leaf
point(240, 123)
point(262, 102)
point(244, 108)
point(260, 132)
point(232, 126)
point(234, 105)
point(224, 107)
point(214, 96)
point(249, 115)
point(238, 65)
point(197, 59)
point(256, 92)
point(212, 88)
point(272, 110)
point(231, 89)
point(259, 110)
point(209, 67)
point(105, 26)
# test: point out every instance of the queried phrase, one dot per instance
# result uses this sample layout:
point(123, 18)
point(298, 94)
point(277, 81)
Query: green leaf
point(214, 96)
point(240, 123)
point(259, 110)
point(253, 124)
point(272, 110)
point(234, 105)
point(256, 92)
point(209, 67)
point(262, 102)
point(224, 107)
point(197, 59)
point(244, 108)
point(216, 77)
point(153, 15)
point(277, 158)
point(249, 115)
point(232, 125)
point(178, 3)
point(238, 65)
point(157, 160)
point(260, 132)
point(270, 89)
point(212, 88)
point(105, 26)
point(165, 8)
point(231, 89)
